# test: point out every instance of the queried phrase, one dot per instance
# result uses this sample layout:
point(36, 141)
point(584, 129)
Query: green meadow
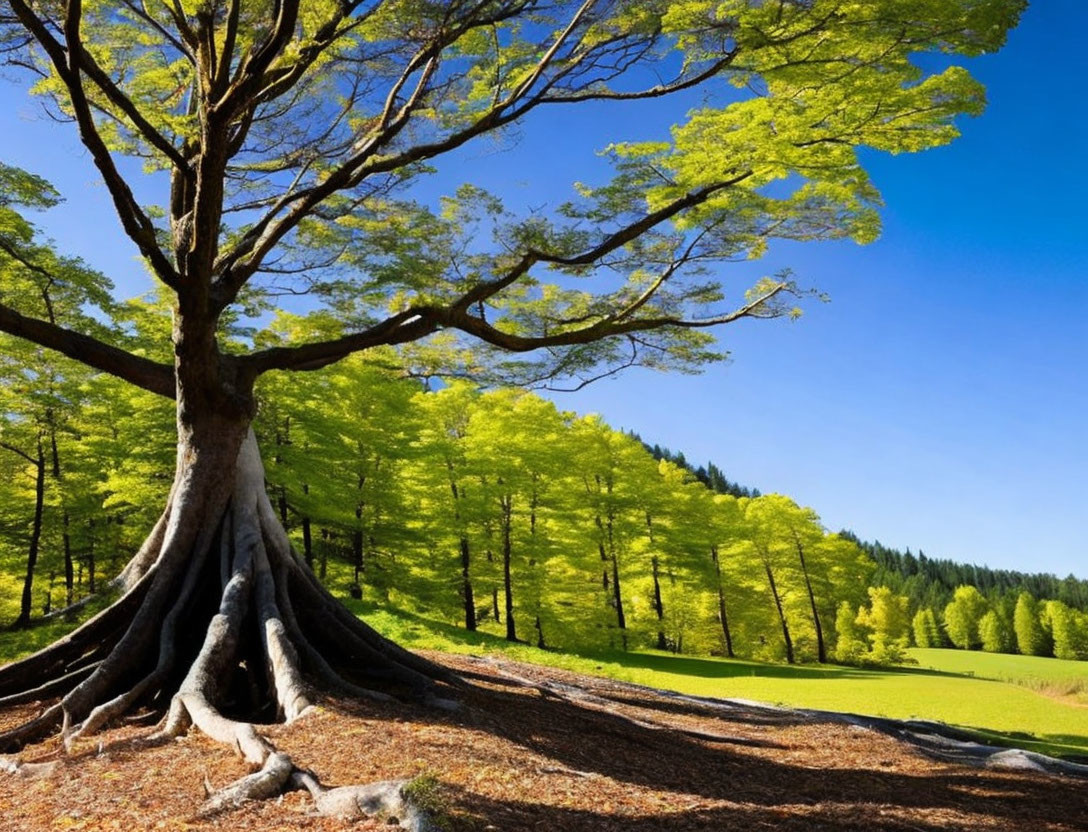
point(1026, 701)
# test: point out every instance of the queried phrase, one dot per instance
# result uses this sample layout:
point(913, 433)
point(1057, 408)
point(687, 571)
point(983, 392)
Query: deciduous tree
point(288, 137)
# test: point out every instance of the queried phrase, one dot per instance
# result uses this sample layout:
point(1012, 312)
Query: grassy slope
point(995, 695)
point(1001, 666)
point(996, 702)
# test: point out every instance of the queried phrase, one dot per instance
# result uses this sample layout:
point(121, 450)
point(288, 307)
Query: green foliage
point(1068, 629)
point(888, 625)
point(332, 106)
point(851, 645)
point(931, 582)
point(925, 629)
point(962, 616)
point(995, 632)
point(1031, 640)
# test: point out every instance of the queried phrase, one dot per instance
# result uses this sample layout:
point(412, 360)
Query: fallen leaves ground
point(520, 758)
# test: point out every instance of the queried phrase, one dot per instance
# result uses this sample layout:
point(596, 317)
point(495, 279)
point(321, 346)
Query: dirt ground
point(576, 754)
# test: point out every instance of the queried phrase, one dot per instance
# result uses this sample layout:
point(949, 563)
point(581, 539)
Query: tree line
point(493, 510)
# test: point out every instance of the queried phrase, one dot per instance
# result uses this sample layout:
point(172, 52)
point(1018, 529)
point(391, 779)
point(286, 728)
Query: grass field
point(1006, 700)
point(1029, 702)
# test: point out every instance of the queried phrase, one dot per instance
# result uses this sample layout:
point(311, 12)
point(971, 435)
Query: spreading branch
point(142, 372)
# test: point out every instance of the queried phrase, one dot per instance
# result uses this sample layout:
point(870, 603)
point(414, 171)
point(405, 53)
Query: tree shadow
point(589, 742)
point(519, 815)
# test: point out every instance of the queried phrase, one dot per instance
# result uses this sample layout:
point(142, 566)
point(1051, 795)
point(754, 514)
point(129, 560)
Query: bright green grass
point(997, 711)
point(15, 644)
point(1000, 666)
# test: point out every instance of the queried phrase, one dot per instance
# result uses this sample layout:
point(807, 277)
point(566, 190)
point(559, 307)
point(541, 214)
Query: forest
point(497, 511)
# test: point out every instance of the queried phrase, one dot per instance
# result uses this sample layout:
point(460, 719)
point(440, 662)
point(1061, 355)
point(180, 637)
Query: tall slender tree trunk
point(467, 596)
point(659, 607)
point(821, 650)
point(282, 503)
point(323, 565)
point(617, 592)
point(357, 556)
point(69, 572)
point(723, 618)
point(307, 543)
point(66, 537)
point(91, 568)
point(781, 614)
point(507, 555)
point(357, 543)
point(621, 618)
point(27, 602)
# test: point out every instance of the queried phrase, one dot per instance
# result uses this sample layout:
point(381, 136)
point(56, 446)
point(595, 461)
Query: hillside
point(927, 582)
point(547, 749)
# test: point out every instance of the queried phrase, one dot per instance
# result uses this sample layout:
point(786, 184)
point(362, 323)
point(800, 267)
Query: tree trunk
point(507, 581)
point(821, 650)
point(91, 588)
point(659, 608)
point(66, 538)
point(307, 543)
point(283, 506)
point(606, 547)
point(215, 606)
point(466, 587)
point(781, 614)
point(323, 564)
point(357, 554)
point(27, 603)
point(69, 576)
point(723, 619)
point(621, 618)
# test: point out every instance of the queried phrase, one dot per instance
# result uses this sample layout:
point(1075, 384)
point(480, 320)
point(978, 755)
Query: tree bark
point(27, 602)
point(66, 537)
point(781, 614)
point(821, 650)
point(467, 596)
point(208, 624)
point(723, 618)
point(307, 543)
point(659, 607)
point(507, 578)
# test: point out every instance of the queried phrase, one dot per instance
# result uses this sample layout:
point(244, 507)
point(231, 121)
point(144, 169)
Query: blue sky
point(937, 402)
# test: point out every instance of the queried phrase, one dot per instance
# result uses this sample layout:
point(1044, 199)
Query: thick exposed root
point(268, 782)
point(94, 637)
point(219, 564)
point(390, 799)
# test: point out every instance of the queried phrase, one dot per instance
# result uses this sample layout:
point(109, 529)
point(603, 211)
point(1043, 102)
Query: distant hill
point(709, 475)
point(928, 582)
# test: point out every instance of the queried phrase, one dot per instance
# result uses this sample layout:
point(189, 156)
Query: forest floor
point(544, 749)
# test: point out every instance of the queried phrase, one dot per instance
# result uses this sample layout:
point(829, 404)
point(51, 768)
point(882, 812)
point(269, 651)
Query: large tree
point(286, 139)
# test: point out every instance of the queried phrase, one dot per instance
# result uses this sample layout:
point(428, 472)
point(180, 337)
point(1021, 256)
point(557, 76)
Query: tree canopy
point(283, 147)
point(286, 141)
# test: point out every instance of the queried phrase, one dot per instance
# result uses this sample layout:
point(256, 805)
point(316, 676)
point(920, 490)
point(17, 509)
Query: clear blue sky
point(938, 402)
